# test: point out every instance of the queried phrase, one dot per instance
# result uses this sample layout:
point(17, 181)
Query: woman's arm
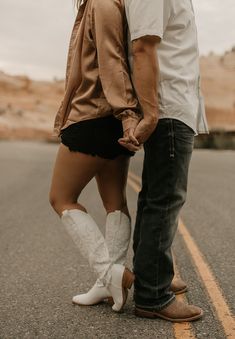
point(108, 33)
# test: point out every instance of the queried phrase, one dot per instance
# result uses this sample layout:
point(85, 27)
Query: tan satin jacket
point(97, 75)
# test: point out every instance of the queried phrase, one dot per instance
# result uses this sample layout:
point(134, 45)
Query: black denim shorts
point(97, 137)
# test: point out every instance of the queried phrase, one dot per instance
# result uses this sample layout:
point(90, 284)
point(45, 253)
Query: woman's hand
point(128, 140)
point(134, 138)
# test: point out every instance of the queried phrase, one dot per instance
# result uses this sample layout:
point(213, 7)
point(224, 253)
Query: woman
point(98, 105)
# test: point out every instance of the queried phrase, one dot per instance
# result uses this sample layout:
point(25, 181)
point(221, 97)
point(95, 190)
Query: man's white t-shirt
point(179, 84)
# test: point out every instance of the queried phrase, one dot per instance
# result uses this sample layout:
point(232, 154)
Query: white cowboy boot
point(117, 236)
point(87, 236)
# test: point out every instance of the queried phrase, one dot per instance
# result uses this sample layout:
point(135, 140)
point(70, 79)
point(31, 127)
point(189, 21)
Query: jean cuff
point(157, 307)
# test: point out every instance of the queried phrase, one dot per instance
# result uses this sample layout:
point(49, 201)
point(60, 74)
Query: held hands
point(134, 138)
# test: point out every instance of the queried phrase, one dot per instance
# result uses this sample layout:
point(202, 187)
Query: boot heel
point(128, 279)
point(110, 301)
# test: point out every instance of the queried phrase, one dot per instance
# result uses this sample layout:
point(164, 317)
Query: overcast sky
point(34, 35)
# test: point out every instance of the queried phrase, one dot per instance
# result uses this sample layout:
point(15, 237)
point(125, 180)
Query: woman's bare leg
point(112, 180)
point(72, 172)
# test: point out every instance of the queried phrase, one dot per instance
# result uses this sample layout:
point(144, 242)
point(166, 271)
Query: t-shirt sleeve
point(145, 17)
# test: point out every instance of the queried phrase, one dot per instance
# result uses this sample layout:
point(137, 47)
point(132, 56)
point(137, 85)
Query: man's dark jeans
point(164, 184)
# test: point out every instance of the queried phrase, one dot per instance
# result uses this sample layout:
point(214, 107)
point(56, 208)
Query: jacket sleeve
point(108, 22)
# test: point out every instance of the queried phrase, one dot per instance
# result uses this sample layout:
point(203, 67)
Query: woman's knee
point(60, 205)
point(111, 206)
point(55, 203)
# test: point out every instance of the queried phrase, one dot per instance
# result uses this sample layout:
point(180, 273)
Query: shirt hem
point(185, 121)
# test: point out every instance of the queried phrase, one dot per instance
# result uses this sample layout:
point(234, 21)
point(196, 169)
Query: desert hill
point(218, 87)
point(28, 108)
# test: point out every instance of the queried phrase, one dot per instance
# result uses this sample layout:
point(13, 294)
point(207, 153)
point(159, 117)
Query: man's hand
point(134, 137)
point(129, 141)
point(144, 129)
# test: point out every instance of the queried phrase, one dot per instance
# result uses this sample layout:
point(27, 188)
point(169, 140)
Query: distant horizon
point(35, 40)
point(57, 78)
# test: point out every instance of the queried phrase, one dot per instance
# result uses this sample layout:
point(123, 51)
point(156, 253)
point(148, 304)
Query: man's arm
point(146, 21)
point(145, 78)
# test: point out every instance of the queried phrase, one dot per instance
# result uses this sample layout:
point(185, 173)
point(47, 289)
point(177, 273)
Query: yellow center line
point(136, 187)
point(182, 330)
point(135, 177)
point(208, 279)
point(213, 289)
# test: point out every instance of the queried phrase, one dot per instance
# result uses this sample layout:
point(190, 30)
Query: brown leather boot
point(176, 311)
point(178, 286)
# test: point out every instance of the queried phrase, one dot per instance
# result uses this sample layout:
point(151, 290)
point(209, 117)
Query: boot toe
point(96, 295)
point(176, 311)
point(76, 299)
point(181, 311)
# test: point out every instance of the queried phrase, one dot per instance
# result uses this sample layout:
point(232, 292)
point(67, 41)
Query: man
point(165, 64)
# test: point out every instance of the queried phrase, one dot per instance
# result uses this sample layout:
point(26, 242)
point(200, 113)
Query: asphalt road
point(41, 269)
